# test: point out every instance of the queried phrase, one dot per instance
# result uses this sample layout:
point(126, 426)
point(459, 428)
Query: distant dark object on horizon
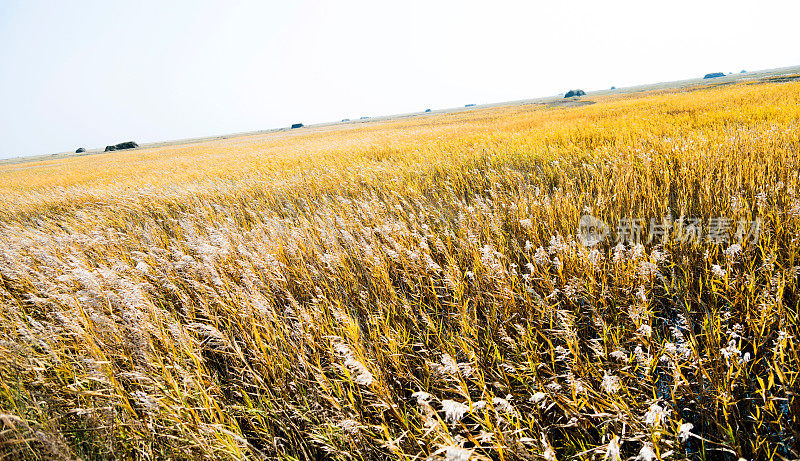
point(714, 75)
point(572, 93)
point(121, 146)
point(345, 119)
point(613, 88)
point(470, 105)
point(297, 125)
point(743, 71)
point(80, 150)
point(427, 110)
point(363, 118)
point(127, 145)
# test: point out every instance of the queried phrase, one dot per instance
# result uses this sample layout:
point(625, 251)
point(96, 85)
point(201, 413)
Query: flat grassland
point(414, 289)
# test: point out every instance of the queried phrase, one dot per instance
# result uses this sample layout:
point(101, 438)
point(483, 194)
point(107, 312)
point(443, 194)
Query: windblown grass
point(412, 290)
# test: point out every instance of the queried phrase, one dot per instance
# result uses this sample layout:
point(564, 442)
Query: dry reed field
point(415, 289)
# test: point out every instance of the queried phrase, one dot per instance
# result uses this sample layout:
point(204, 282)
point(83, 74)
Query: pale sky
point(91, 73)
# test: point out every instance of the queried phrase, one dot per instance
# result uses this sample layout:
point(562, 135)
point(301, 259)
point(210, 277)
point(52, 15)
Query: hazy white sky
point(91, 73)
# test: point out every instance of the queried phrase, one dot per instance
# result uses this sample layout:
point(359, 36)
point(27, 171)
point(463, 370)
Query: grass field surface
point(415, 288)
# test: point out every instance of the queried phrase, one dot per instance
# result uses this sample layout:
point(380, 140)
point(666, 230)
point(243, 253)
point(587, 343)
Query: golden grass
point(412, 289)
